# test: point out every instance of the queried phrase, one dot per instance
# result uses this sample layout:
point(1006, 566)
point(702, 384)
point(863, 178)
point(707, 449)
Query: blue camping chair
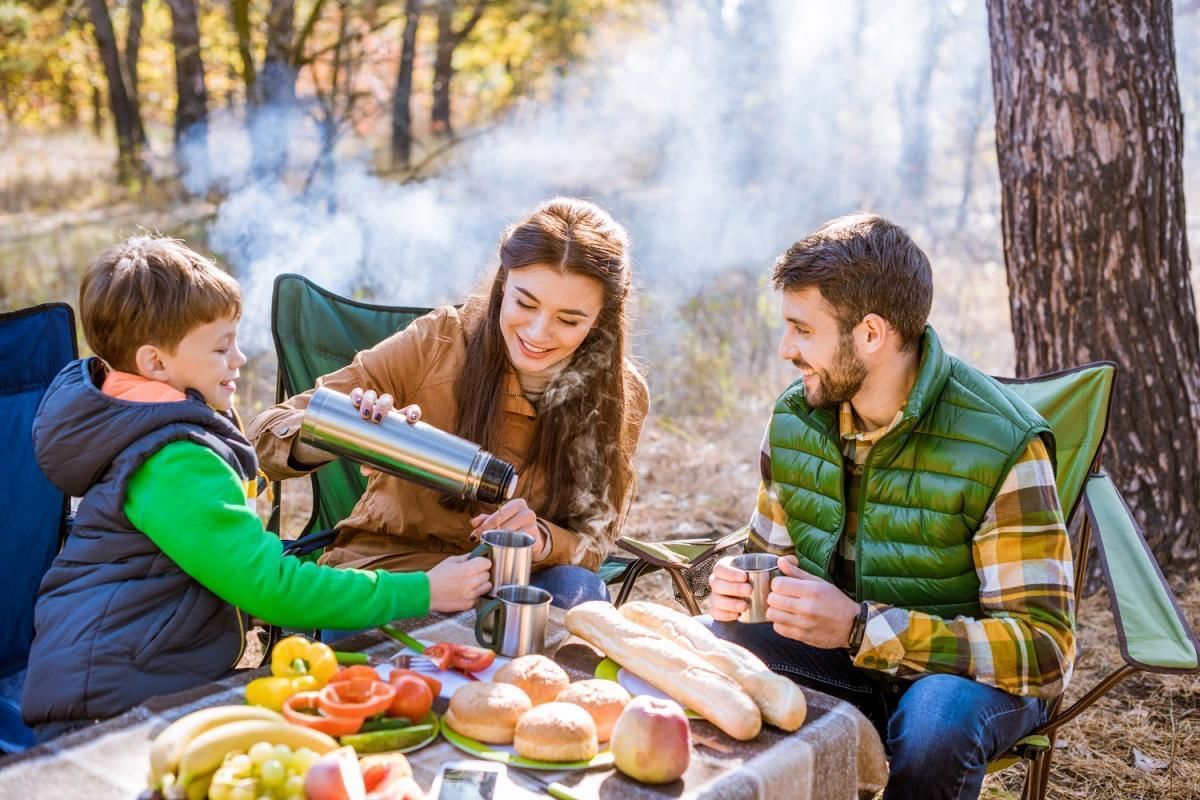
point(35, 344)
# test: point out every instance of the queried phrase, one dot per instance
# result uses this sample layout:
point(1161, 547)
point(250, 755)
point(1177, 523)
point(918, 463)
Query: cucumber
point(371, 724)
point(383, 741)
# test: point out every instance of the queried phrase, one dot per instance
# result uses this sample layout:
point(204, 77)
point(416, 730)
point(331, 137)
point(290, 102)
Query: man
point(927, 573)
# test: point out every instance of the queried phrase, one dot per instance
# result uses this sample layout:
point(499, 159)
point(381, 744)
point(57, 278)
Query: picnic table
point(836, 754)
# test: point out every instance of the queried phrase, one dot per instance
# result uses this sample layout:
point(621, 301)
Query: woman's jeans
point(940, 730)
point(568, 585)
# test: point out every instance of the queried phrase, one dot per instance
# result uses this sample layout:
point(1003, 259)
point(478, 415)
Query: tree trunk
point(402, 97)
point(241, 23)
point(1089, 139)
point(279, 74)
point(118, 96)
point(192, 108)
point(913, 104)
point(443, 64)
point(133, 45)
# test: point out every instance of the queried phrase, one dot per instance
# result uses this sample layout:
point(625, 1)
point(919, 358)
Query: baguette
point(681, 675)
point(782, 702)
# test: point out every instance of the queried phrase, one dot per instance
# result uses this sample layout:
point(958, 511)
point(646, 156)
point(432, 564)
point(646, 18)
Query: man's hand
point(808, 609)
point(729, 588)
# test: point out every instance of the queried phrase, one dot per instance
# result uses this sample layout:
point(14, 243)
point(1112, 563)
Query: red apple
point(652, 740)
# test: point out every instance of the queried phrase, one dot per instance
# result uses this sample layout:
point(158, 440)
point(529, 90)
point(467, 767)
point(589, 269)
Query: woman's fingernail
point(378, 416)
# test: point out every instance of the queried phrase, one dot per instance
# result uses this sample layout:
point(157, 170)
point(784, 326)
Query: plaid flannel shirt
point(1024, 643)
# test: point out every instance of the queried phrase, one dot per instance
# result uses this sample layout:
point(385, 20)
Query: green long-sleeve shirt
point(193, 507)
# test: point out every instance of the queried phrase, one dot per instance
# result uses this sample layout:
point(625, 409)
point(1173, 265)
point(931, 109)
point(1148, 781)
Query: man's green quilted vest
point(925, 487)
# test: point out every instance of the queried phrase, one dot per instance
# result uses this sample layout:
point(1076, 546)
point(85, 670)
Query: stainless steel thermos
point(417, 452)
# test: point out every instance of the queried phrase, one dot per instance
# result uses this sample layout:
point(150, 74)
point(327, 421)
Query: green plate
point(504, 754)
point(610, 670)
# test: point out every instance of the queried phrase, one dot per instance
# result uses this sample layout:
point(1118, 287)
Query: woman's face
point(545, 314)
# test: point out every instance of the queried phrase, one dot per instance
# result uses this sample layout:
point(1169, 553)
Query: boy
point(151, 590)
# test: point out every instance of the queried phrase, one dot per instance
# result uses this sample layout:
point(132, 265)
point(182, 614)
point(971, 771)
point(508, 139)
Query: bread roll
point(556, 732)
point(781, 702)
point(537, 676)
point(604, 700)
point(681, 675)
point(487, 712)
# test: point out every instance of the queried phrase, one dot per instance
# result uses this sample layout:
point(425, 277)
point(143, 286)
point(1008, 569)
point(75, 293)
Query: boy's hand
point(730, 587)
point(456, 582)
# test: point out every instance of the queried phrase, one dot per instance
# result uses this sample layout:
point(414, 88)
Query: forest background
point(380, 147)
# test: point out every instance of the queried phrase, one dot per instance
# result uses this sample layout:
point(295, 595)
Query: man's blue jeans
point(940, 731)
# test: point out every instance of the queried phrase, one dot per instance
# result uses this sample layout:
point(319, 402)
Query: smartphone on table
point(470, 780)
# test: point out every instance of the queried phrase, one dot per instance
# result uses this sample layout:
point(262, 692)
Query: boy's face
point(207, 360)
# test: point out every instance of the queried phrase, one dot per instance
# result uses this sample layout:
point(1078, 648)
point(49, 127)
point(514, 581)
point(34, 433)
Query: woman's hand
point(515, 515)
point(375, 407)
point(456, 582)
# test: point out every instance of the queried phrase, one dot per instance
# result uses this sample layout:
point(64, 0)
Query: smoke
point(717, 137)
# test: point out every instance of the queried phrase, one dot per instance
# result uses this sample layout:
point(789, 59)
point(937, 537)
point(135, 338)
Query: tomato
point(435, 686)
point(413, 698)
point(355, 672)
point(303, 709)
point(441, 654)
point(472, 659)
point(357, 698)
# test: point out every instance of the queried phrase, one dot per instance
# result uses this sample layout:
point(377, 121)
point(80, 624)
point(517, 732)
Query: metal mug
point(517, 618)
point(511, 553)
point(760, 568)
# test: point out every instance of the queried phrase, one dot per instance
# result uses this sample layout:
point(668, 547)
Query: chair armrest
point(1152, 631)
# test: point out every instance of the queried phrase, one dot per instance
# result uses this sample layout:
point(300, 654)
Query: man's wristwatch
point(856, 629)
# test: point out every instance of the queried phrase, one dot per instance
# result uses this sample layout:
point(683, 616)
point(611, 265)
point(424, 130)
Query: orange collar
point(136, 389)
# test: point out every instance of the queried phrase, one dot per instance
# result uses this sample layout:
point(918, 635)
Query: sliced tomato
point(357, 698)
point(356, 672)
point(472, 659)
point(441, 654)
point(304, 709)
point(435, 686)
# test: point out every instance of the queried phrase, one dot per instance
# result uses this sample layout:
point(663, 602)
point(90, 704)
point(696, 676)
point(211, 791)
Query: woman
point(534, 369)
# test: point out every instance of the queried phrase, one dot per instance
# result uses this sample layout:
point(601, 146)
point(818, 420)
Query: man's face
point(829, 361)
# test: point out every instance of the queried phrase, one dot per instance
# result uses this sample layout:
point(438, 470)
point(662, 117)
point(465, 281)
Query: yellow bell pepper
point(274, 691)
point(296, 656)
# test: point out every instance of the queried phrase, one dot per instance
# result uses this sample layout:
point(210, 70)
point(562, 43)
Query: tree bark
point(443, 65)
point(1089, 139)
point(133, 46)
point(279, 74)
point(118, 95)
point(402, 97)
point(192, 108)
point(240, 10)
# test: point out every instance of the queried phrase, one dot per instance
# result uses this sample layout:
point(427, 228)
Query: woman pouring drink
point(534, 369)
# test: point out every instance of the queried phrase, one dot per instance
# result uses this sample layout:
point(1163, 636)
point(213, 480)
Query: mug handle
point(490, 608)
point(481, 550)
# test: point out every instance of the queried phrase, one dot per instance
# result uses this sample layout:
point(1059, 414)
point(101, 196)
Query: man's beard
point(843, 381)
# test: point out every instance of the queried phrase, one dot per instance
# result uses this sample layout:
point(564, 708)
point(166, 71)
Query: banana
point(169, 745)
point(207, 751)
point(198, 789)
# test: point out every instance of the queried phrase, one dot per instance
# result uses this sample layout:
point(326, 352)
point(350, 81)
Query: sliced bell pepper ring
point(304, 709)
point(296, 656)
point(273, 691)
point(357, 698)
point(358, 671)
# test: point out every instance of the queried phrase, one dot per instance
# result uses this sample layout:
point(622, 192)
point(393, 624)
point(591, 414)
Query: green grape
point(271, 773)
point(302, 760)
point(218, 790)
point(294, 785)
point(294, 797)
point(283, 752)
point(261, 752)
point(240, 766)
point(243, 790)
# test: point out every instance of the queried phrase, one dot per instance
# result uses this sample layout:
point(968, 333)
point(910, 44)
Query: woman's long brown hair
point(581, 415)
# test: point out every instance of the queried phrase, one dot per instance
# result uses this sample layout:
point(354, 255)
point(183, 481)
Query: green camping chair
point(1153, 633)
point(317, 332)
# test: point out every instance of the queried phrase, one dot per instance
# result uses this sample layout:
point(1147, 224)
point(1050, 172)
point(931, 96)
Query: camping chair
point(1153, 633)
point(317, 332)
point(35, 344)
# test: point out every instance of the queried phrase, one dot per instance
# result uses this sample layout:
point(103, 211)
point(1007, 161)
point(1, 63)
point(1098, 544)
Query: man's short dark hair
point(863, 264)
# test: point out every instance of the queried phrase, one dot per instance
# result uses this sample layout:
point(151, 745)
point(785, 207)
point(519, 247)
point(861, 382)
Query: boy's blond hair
point(151, 290)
